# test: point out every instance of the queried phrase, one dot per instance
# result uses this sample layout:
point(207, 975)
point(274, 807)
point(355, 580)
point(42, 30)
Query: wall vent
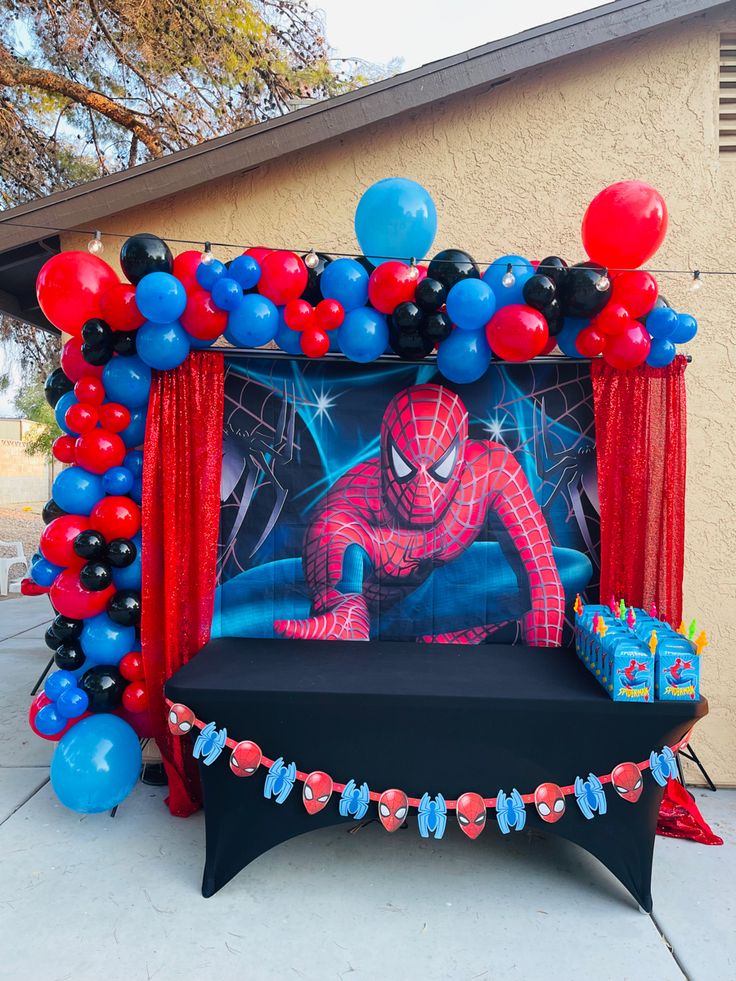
point(727, 95)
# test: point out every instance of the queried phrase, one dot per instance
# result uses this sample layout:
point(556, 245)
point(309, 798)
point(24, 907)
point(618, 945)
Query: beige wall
point(512, 170)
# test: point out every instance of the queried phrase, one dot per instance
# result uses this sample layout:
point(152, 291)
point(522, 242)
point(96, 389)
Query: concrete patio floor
point(90, 897)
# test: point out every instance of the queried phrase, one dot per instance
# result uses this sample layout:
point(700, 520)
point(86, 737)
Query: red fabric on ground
point(679, 817)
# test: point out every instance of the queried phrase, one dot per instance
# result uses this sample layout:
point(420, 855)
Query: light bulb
point(311, 259)
point(95, 245)
point(413, 269)
point(509, 279)
point(603, 283)
point(208, 256)
point(697, 283)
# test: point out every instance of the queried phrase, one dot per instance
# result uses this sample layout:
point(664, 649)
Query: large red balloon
point(630, 348)
point(258, 253)
point(70, 287)
point(99, 450)
point(517, 332)
point(70, 598)
point(636, 290)
point(185, 268)
point(116, 517)
point(624, 225)
point(283, 277)
point(73, 363)
point(201, 318)
point(119, 308)
point(390, 284)
point(57, 539)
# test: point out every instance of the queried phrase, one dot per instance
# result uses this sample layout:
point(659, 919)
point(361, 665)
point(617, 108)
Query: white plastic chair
point(16, 557)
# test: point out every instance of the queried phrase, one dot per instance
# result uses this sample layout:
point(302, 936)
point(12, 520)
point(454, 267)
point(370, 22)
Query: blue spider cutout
point(510, 811)
point(432, 816)
point(279, 780)
point(210, 743)
point(590, 795)
point(663, 765)
point(354, 800)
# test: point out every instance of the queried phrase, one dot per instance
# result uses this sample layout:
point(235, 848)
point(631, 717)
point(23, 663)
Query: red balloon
point(119, 308)
point(116, 517)
point(590, 342)
point(624, 225)
point(613, 319)
point(329, 314)
point(185, 269)
point(81, 417)
point(114, 417)
point(314, 343)
point(30, 588)
point(70, 598)
point(390, 284)
point(283, 277)
point(637, 291)
point(201, 318)
point(517, 332)
point(131, 666)
point(63, 449)
point(629, 349)
point(258, 253)
point(99, 450)
point(422, 273)
point(135, 697)
point(549, 346)
point(90, 389)
point(299, 315)
point(70, 287)
point(73, 363)
point(57, 540)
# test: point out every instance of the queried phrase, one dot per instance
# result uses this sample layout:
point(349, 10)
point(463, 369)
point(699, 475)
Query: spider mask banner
point(387, 503)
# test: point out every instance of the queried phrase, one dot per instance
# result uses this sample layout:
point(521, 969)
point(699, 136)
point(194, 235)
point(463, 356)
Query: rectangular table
point(422, 717)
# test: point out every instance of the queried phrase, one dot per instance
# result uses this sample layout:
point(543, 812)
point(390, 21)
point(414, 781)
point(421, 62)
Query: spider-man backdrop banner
point(385, 502)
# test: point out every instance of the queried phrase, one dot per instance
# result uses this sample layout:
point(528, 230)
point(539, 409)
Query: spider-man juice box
point(617, 658)
point(677, 666)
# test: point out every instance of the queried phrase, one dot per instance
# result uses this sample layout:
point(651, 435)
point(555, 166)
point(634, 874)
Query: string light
point(413, 268)
point(508, 279)
point(311, 259)
point(208, 256)
point(95, 245)
point(604, 283)
point(697, 282)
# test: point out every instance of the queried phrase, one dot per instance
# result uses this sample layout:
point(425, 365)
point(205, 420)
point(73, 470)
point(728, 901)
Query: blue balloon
point(117, 480)
point(49, 721)
point(43, 572)
point(130, 576)
point(363, 334)
point(571, 327)
point(160, 297)
point(96, 764)
point(162, 346)
point(72, 703)
point(255, 322)
point(661, 322)
point(207, 274)
point(227, 293)
point(287, 339)
point(104, 641)
point(77, 491)
point(135, 432)
point(134, 462)
point(395, 219)
point(58, 682)
point(464, 356)
point(67, 399)
point(685, 329)
point(521, 270)
point(127, 381)
point(245, 270)
point(198, 344)
point(136, 491)
point(346, 281)
point(661, 353)
point(471, 304)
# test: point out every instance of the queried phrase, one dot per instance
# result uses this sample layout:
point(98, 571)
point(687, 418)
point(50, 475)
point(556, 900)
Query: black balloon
point(554, 268)
point(123, 342)
point(69, 656)
point(430, 295)
point(539, 291)
point(50, 511)
point(410, 343)
point(104, 686)
point(312, 292)
point(579, 294)
point(407, 316)
point(121, 552)
point(56, 385)
point(452, 265)
point(89, 545)
point(95, 576)
point(99, 354)
point(125, 608)
point(51, 638)
point(143, 254)
point(96, 332)
point(552, 313)
point(437, 327)
point(66, 628)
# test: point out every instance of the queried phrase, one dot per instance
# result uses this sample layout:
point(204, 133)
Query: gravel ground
point(20, 525)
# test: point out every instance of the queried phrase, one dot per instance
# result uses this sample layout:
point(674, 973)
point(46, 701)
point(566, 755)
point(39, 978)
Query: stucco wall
point(512, 171)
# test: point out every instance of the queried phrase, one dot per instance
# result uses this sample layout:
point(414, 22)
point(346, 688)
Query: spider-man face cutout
point(245, 759)
point(627, 782)
point(393, 806)
point(181, 719)
point(317, 791)
point(423, 435)
point(549, 802)
point(471, 814)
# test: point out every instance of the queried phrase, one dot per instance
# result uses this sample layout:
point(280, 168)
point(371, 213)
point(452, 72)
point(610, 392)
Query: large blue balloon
point(363, 334)
point(464, 356)
point(395, 219)
point(44, 572)
point(96, 764)
point(521, 269)
point(685, 329)
point(130, 576)
point(67, 399)
point(162, 346)
point(471, 304)
point(104, 641)
point(346, 281)
point(160, 297)
point(77, 491)
point(255, 322)
point(127, 381)
point(567, 337)
point(661, 353)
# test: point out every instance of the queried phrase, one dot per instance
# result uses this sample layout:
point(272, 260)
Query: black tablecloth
point(422, 718)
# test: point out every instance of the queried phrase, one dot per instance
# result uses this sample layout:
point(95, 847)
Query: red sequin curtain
point(640, 439)
point(181, 513)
